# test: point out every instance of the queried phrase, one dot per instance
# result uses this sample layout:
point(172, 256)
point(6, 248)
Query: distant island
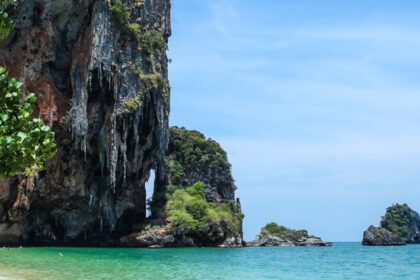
point(273, 234)
point(399, 226)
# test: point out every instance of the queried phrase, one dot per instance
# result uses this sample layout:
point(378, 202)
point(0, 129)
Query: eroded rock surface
point(284, 240)
point(168, 236)
point(102, 87)
point(99, 70)
point(276, 235)
point(213, 218)
point(403, 221)
point(193, 157)
point(400, 225)
point(377, 236)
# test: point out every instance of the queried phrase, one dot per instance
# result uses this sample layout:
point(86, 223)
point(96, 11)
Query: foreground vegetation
point(25, 142)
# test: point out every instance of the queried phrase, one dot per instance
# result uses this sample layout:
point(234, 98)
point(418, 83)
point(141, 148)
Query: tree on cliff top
point(25, 142)
point(399, 218)
point(193, 157)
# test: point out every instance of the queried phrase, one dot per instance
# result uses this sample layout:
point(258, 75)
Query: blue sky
point(316, 102)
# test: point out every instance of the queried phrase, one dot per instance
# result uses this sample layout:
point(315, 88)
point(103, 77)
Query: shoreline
point(2, 277)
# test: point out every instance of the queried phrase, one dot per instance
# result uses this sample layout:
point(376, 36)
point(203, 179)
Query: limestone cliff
point(197, 206)
point(194, 158)
point(99, 69)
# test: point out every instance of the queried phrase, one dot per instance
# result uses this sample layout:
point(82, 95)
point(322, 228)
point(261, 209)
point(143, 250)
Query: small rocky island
point(399, 226)
point(273, 234)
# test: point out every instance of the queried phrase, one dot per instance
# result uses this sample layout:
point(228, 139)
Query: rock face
point(156, 237)
point(174, 237)
point(193, 157)
point(275, 235)
point(100, 75)
point(99, 70)
point(377, 236)
point(278, 240)
point(403, 221)
point(213, 219)
point(399, 226)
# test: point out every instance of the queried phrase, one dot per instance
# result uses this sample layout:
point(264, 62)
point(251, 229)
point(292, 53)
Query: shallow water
point(342, 261)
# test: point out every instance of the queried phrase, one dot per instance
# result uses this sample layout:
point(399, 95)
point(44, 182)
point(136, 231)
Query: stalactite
point(113, 154)
point(124, 152)
point(104, 154)
point(78, 111)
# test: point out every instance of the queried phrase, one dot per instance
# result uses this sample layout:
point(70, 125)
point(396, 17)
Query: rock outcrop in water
point(399, 226)
point(377, 236)
point(99, 69)
point(198, 206)
point(194, 158)
point(275, 235)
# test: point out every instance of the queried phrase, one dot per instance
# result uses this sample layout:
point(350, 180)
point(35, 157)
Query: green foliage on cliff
point(120, 12)
point(25, 142)
point(274, 228)
point(130, 104)
point(187, 209)
point(174, 168)
point(153, 41)
point(134, 27)
point(6, 23)
point(192, 152)
point(151, 83)
point(397, 219)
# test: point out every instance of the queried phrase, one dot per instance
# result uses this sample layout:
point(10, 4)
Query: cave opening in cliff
point(150, 187)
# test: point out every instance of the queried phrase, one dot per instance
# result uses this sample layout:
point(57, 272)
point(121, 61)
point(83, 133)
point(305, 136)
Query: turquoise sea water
point(342, 261)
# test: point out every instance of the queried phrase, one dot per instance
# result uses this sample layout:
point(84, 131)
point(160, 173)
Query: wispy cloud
point(380, 33)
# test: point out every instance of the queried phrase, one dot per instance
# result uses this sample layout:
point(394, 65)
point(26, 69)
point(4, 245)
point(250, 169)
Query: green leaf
point(4, 117)
point(22, 135)
point(25, 142)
